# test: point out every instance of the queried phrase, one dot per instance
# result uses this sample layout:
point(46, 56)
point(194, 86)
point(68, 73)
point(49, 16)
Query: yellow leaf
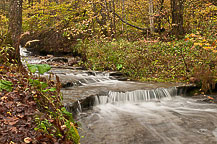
point(196, 44)
point(9, 113)
point(215, 51)
point(207, 48)
point(4, 98)
point(193, 35)
point(207, 44)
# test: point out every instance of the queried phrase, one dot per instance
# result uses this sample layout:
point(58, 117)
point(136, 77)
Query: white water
point(124, 117)
point(136, 96)
point(176, 120)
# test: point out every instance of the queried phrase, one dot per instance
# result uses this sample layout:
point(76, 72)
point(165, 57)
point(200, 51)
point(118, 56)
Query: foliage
point(200, 14)
point(3, 27)
point(41, 68)
point(5, 85)
point(56, 121)
point(31, 110)
point(173, 61)
point(4, 54)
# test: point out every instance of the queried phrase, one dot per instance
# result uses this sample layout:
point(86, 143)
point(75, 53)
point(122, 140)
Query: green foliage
point(38, 83)
point(159, 61)
point(3, 28)
point(43, 125)
point(6, 85)
point(56, 121)
point(4, 54)
point(41, 68)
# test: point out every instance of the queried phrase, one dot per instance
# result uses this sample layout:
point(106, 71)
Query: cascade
point(117, 111)
point(136, 96)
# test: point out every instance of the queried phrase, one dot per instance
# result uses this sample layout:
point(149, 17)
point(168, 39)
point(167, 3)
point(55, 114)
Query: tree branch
point(144, 29)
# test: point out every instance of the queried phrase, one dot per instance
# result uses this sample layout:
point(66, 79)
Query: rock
point(72, 61)
point(58, 59)
point(49, 56)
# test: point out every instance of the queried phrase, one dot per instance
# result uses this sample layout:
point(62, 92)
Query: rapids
point(128, 112)
point(174, 120)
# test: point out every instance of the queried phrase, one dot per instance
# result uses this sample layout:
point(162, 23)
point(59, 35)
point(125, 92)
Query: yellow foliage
point(198, 44)
point(207, 48)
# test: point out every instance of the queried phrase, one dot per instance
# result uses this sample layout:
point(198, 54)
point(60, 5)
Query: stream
point(114, 110)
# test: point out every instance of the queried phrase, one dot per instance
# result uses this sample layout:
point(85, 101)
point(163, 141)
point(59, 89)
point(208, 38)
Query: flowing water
point(170, 120)
point(128, 112)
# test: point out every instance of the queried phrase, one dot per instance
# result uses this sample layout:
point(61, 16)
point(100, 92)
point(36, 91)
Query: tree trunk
point(159, 19)
point(114, 23)
point(151, 17)
point(123, 13)
point(177, 7)
point(15, 27)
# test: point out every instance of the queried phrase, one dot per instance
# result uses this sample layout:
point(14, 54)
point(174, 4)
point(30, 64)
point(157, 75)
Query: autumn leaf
point(207, 48)
point(13, 129)
point(27, 140)
point(4, 98)
point(193, 35)
point(210, 98)
point(214, 43)
point(186, 39)
point(198, 44)
point(11, 120)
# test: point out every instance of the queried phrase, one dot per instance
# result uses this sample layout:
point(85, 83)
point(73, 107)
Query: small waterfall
point(79, 107)
point(24, 52)
point(136, 96)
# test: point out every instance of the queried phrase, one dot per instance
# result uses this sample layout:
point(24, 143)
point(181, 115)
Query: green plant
point(5, 85)
point(56, 121)
point(41, 68)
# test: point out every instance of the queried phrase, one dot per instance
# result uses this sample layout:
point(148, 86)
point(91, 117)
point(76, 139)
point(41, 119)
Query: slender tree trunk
point(177, 7)
point(15, 27)
point(114, 23)
point(123, 13)
point(3, 6)
point(160, 14)
point(151, 18)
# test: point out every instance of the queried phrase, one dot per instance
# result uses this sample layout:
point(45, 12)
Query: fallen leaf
point(4, 98)
point(27, 140)
point(11, 120)
point(210, 98)
point(9, 113)
point(20, 115)
point(13, 129)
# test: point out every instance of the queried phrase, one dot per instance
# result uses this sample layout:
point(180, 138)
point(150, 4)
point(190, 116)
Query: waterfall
point(136, 96)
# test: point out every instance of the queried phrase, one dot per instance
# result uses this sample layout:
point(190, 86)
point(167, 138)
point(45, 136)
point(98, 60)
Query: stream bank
point(152, 113)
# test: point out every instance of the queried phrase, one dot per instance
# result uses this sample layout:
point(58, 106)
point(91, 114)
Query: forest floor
point(20, 108)
point(17, 109)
